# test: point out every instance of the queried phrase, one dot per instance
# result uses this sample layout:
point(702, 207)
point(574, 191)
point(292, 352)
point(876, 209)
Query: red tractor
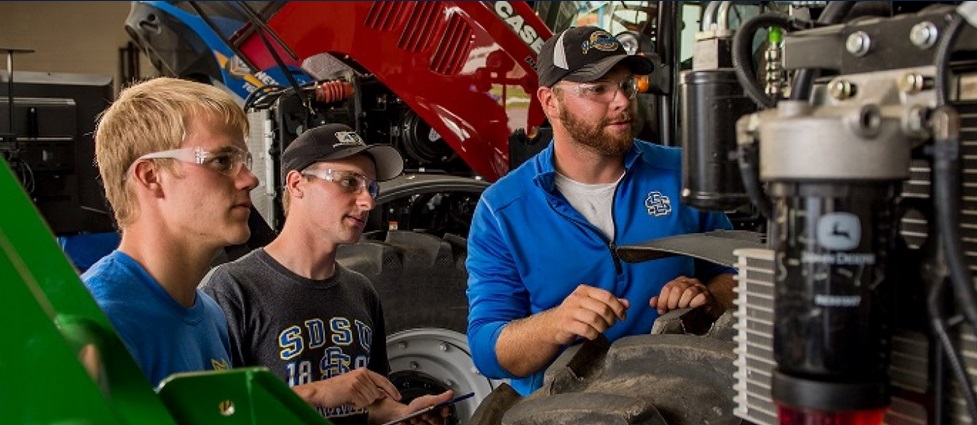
point(450, 84)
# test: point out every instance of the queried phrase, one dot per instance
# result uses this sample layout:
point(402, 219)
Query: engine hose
point(934, 303)
point(709, 16)
point(804, 79)
point(943, 52)
point(946, 195)
point(748, 158)
point(743, 55)
point(260, 93)
point(332, 91)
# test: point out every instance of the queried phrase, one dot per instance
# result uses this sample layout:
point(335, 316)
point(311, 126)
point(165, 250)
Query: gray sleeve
point(228, 293)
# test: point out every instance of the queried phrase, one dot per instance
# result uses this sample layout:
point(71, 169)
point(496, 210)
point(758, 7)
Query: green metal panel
point(41, 377)
point(40, 381)
point(62, 362)
point(237, 396)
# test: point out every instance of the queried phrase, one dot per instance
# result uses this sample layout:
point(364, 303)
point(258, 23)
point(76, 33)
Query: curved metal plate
point(716, 246)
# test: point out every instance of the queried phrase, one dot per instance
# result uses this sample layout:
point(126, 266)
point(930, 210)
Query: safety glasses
point(606, 91)
point(349, 181)
point(228, 160)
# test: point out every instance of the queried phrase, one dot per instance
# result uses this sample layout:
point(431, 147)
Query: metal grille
point(454, 47)
point(754, 339)
point(421, 26)
point(260, 140)
point(385, 15)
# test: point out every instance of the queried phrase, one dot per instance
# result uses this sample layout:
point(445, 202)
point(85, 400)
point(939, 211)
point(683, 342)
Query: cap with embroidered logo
point(584, 54)
point(331, 142)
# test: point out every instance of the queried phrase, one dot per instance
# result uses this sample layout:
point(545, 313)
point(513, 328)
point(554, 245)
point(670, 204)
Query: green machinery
point(62, 363)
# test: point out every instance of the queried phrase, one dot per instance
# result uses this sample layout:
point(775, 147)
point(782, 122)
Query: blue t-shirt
point(85, 249)
point(163, 336)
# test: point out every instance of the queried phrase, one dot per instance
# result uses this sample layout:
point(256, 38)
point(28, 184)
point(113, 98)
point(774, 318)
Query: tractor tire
point(421, 278)
point(676, 379)
point(421, 281)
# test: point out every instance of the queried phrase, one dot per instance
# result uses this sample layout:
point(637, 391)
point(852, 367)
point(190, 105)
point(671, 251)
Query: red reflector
point(790, 415)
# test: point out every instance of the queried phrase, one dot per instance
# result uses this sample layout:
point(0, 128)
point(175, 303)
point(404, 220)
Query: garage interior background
point(68, 37)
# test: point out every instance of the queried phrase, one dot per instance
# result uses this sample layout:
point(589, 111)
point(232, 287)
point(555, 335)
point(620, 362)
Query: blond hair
point(152, 116)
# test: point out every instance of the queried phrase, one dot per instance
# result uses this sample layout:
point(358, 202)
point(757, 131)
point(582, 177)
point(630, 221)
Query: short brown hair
point(153, 116)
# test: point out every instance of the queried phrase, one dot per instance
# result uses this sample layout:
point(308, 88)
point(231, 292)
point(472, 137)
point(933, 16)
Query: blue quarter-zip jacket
point(529, 248)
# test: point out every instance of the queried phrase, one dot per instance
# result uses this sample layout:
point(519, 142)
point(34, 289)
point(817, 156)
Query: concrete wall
point(81, 37)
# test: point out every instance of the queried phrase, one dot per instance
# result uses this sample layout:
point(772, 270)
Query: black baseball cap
point(337, 141)
point(584, 54)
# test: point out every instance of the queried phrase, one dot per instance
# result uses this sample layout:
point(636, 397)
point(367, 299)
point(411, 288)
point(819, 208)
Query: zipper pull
point(617, 260)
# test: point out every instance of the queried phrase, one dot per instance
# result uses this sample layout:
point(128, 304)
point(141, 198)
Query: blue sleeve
point(496, 294)
point(710, 221)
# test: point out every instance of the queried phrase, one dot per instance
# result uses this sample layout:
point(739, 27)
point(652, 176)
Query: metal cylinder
point(831, 242)
point(710, 174)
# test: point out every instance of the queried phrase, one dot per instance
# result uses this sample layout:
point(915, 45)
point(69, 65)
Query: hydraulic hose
point(743, 55)
point(260, 93)
point(943, 52)
point(946, 195)
point(934, 303)
point(709, 16)
point(748, 157)
point(946, 173)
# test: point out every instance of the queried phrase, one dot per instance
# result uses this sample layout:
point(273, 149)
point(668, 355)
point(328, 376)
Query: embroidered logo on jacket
point(658, 204)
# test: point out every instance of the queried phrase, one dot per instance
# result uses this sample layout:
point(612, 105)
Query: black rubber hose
point(943, 52)
point(946, 195)
point(946, 201)
point(804, 79)
point(934, 302)
point(743, 55)
point(946, 175)
point(260, 93)
point(748, 157)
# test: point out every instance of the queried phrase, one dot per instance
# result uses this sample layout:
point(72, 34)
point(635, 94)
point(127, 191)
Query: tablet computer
point(430, 408)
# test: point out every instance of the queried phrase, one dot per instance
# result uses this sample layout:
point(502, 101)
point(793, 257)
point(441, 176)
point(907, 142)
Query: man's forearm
point(527, 345)
point(721, 286)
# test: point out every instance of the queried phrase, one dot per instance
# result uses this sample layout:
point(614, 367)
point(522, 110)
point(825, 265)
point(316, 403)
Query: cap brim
point(640, 65)
point(388, 160)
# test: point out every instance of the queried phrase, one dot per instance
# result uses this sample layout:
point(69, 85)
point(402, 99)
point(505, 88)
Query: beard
point(596, 136)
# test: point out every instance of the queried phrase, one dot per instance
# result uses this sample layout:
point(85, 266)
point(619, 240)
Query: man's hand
point(359, 387)
point(527, 345)
point(587, 312)
point(386, 410)
point(683, 292)
point(433, 417)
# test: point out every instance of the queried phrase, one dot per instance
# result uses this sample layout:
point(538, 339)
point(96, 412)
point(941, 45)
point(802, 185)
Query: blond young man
point(174, 164)
point(176, 171)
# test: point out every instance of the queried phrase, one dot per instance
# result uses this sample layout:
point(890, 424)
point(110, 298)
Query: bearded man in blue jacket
point(542, 267)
